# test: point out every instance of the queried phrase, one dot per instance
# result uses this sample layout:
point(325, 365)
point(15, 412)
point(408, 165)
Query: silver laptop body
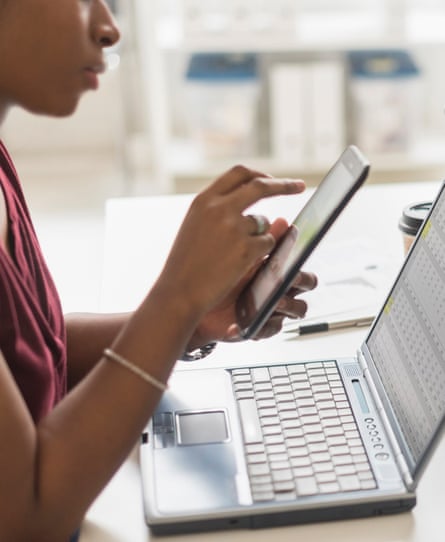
point(259, 446)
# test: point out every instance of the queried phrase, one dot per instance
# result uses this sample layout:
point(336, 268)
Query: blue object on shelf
point(383, 64)
point(222, 67)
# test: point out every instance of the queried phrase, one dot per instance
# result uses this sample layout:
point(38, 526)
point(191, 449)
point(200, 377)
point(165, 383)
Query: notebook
point(258, 446)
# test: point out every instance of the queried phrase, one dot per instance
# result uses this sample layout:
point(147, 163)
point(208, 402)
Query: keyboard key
point(295, 442)
point(263, 496)
point(320, 457)
point(300, 377)
point(270, 420)
point(341, 460)
point(324, 467)
point(325, 405)
point(302, 386)
point(259, 469)
point(278, 371)
point(349, 483)
point(245, 394)
point(313, 429)
point(275, 459)
point(316, 372)
point(296, 369)
point(328, 413)
point(305, 461)
point(266, 403)
point(318, 447)
point(314, 365)
point(255, 448)
point(326, 477)
point(366, 475)
point(306, 486)
point(368, 484)
point(262, 487)
point(287, 405)
point(276, 449)
point(345, 470)
point(272, 430)
point(346, 419)
point(334, 431)
point(303, 471)
point(322, 396)
point(308, 411)
point(284, 396)
point(284, 487)
point(250, 421)
point(284, 496)
point(282, 475)
point(265, 412)
point(243, 386)
point(318, 380)
point(293, 432)
point(302, 451)
point(290, 415)
point(261, 480)
point(238, 372)
point(290, 423)
point(321, 388)
point(339, 450)
point(237, 379)
point(336, 441)
point(273, 439)
point(332, 487)
point(310, 419)
point(304, 393)
point(256, 458)
point(281, 389)
point(305, 402)
point(260, 374)
point(263, 386)
point(315, 437)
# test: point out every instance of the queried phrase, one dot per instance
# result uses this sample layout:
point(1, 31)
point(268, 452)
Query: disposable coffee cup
point(411, 220)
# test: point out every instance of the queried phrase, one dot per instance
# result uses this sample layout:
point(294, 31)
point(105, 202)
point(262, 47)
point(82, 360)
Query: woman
point(61, 378)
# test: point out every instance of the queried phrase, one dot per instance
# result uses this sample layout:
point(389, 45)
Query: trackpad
point(209, 427)
point(200, 472)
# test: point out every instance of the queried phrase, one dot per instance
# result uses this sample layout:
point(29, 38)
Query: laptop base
point(285, 518)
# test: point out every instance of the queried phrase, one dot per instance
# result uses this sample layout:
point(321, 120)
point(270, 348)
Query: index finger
point(258, 188)
point(232, 179)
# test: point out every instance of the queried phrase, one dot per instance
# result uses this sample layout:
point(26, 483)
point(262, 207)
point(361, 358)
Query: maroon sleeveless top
point(32, 329)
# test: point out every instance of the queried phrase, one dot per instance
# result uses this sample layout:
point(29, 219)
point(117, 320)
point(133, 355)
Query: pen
point(306, 329)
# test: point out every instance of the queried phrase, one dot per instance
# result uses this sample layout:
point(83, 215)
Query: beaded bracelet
point(113, 356)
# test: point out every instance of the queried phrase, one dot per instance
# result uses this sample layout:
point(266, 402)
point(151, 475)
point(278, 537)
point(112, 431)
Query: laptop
point(259, 446)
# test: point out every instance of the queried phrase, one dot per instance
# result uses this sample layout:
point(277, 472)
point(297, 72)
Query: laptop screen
point(407, 341)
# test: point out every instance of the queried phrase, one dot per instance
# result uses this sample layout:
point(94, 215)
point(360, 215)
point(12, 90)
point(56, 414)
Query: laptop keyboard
point(300, 436)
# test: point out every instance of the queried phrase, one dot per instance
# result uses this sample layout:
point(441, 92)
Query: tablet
point(275, 276)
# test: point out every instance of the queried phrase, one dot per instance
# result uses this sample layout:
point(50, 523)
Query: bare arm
point(57, 468)
point(87, 336)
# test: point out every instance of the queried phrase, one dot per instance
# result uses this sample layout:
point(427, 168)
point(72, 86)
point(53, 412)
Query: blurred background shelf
point(145, 130)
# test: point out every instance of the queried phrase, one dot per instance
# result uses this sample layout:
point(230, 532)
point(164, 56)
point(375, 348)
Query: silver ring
point(262, 224)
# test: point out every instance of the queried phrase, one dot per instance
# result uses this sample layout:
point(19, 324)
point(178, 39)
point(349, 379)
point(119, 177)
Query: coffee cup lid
point(413, 216)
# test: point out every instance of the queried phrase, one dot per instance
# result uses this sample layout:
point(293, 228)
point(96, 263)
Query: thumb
point(278, 228)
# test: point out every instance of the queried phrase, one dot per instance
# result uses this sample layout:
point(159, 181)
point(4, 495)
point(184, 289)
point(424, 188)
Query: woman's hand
point(218, 245)
point(220, 322)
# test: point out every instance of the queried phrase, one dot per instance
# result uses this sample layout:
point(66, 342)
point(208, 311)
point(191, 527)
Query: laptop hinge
point(399, 457)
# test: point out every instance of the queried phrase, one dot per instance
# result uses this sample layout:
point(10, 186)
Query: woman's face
point(51, 52)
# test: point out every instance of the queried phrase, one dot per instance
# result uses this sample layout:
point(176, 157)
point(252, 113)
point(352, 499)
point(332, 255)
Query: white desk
point(138, 235)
